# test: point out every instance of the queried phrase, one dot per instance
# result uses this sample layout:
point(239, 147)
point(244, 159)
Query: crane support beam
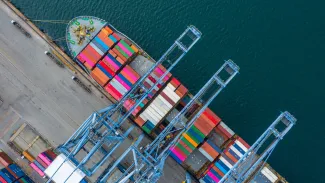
point(251, 160)
point(102, 127)
point(159, 149)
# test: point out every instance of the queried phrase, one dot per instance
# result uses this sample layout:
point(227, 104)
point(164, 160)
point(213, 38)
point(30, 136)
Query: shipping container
point(62, 170)
point(38, 159)
point(2, 180)
point(45, 159)
point(99, 76)
point(17, 170)
point(5, 160)
point(28, 156)
point(4, 173)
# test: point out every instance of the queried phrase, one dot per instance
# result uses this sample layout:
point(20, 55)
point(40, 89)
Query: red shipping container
point(175, 82)
point(182, 89)
point(243, 142)
point(224, 131)
point(91, 52)
point(169, 100)
point(117, 37)
point(139, 121)
point(112, 91)
point(2, 180)
point(5, 160)
point(211, 115)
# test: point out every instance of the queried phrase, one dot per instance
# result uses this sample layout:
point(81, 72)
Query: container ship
point(207, 150)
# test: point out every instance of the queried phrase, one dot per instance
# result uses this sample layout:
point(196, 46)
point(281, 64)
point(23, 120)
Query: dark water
point(279, 46)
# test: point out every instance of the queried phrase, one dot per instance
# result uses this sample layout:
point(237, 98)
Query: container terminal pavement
point(43, 93)
point(45, 96)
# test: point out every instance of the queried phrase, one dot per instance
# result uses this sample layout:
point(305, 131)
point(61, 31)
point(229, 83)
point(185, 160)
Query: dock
point(43, 94)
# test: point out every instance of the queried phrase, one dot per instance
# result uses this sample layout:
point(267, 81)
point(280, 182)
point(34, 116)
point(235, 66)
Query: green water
point(279, 46)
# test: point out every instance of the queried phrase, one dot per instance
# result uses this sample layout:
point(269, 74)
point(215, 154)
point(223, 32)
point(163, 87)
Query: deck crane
point(252, 161)
point(101, 129)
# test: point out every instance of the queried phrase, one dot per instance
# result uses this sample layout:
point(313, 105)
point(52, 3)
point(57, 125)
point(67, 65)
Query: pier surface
point(43, 94)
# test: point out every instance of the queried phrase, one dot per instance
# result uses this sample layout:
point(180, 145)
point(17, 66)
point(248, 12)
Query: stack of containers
point(106, 69)
point(211, 148)
point(195, 136)
point(236, 149)
point(161, 105)
point(148, 83)
point(122, 82)
point(124, 50)
point(92, 53)
point(225, 161)
point(11, 172)
point(89, 56)
point(42, 161)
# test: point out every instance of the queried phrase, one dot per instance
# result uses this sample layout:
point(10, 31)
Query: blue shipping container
point(39, 165)
point(7, 176)
point(106, 47)
point(17, 170)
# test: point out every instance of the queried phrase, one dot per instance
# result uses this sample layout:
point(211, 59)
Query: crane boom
point(251, 160)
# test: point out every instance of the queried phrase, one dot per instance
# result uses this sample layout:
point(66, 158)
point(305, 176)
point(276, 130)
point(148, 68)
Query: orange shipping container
point(28, 156)
point(99, 76)
point(112, 53)
point(139, 121)
point(218, 171)
point(134, 48)
point(212, 152)
point(231, 157)
point(109, 30)
point(119, 54)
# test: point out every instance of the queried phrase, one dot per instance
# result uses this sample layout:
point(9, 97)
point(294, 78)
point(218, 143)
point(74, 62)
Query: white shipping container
point(236, 151)
point(155, 119)
point(270, 178)
point(96, 48)
point(241, 145)
point(207, 155)
point(158, 103)
point(170, 89)
point(270, 173)
point(160, 112)
point(227, 128)
point(170, 94)
point(225, 162)
point(169, 106)
point(118, 86)
point(154, 112)
point(151, 84)
point(145, 116)
point(61, 174)
point(163, 103)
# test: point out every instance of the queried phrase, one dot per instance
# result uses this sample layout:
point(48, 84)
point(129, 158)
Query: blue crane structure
point(256, 156)
point(101, 132)
point(101, 129)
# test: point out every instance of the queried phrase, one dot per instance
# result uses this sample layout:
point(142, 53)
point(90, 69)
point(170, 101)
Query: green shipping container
point(193, 138)
point(187, 143)
point(198, 131)
point(121, 51)
point(183, 149)
point(126, 46)
point(146, 129)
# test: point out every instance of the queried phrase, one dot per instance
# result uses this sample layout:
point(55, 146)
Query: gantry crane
point(253, 160)
point(102, 127)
